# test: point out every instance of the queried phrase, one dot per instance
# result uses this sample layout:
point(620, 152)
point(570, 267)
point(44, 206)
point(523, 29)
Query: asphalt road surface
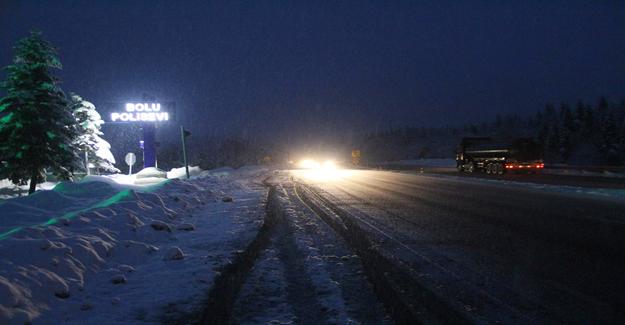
point(490, 252)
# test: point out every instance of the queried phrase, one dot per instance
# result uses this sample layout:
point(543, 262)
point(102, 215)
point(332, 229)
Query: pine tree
point(621, 127)
point(583, 120)
point(37, 127)
point(554, 143)
point(609, 144)
point(567, 133)
point(602, 107)
point(622, 144)
point(89, 123)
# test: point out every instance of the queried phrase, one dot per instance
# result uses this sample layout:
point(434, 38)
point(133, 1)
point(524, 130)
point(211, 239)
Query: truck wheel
point(470, 168)
point(500, 169)
point(460, 168)
point(489, 168)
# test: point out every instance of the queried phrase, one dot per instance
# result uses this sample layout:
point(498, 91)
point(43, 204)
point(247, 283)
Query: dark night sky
point(266, 64)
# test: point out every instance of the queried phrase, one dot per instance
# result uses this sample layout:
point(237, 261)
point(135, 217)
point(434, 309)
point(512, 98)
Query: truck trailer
point(497, 156)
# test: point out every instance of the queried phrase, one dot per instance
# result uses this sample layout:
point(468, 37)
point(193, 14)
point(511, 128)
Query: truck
point(498, 156)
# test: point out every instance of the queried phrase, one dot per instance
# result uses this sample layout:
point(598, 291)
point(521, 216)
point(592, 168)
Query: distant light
point(323, 174)
point(329, 164)
point(141, 112)
point(309, 164)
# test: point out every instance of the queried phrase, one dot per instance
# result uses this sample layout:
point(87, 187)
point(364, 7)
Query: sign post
point(131, 159)
point(149, 115)
point(149, 145)
point(356, 157)
point(183, 134)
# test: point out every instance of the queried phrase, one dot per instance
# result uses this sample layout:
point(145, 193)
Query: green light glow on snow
point(122, 196)
point(50, 135)
point(50, 222)
point(119, 197)
point(7, 118)
point(10, 232)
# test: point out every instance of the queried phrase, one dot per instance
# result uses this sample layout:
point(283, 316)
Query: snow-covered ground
point(8, 190)
point(147, 248)
point(106, 251)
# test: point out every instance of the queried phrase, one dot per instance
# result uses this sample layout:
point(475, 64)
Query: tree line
point(593, 132)
point(582, 133)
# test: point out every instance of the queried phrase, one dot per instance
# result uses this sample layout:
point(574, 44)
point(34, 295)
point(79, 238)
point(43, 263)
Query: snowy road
point(306, 273)
point(255, 246)
point(488, 251)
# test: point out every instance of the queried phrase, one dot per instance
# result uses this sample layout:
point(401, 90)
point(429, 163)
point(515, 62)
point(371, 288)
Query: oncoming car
point(316, 164)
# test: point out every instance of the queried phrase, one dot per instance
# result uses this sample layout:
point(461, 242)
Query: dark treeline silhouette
point(578, 134)
point(214, 152)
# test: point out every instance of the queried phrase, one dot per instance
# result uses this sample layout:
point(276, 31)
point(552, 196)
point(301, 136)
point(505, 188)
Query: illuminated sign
point(141, 112)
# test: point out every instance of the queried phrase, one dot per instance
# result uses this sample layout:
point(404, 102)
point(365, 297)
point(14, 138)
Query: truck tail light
point(517, 166)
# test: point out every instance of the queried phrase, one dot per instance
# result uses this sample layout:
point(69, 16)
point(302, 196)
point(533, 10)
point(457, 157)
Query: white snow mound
point(151, 172)
point(101, 252)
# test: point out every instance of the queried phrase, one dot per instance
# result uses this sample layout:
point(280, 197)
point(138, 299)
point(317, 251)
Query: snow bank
point(102, 252)
point(149, 176)
point(181, 172)
point(120, 181)
point(146, 177)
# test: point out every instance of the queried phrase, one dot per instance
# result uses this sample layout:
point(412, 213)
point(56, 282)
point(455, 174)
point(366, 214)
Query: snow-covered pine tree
point(97, 151)
point(554, 144)
point(581, 118)
point(621, 123)
point(36, 126)
point(610, 137)
point(567, 131)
